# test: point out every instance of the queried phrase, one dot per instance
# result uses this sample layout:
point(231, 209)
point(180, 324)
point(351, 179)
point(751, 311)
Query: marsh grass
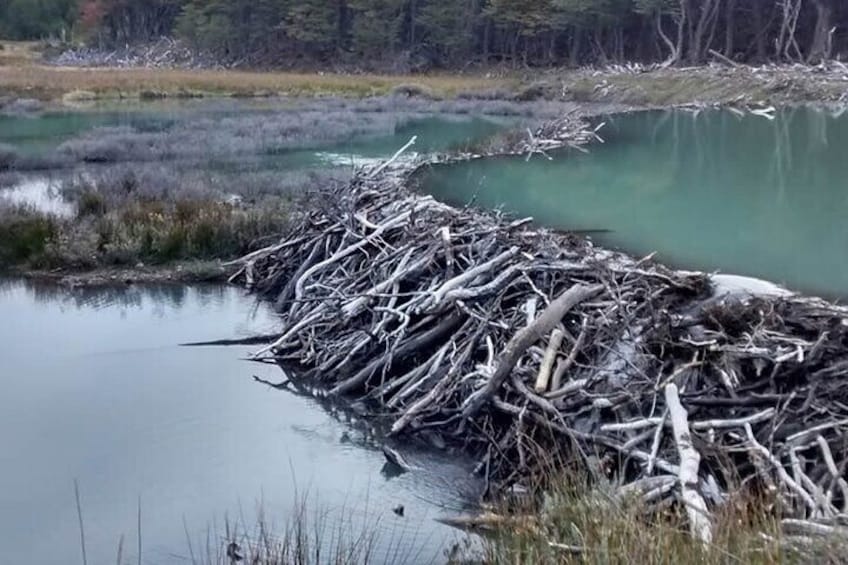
point(155, 232)
point(254, 133)
point(311, 534)
point(24, 76)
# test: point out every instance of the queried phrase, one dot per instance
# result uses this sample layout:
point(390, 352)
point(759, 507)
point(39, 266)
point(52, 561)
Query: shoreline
point(26, 76)
point(183, 272)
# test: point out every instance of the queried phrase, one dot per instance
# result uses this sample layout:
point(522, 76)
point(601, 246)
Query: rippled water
point(95, 387)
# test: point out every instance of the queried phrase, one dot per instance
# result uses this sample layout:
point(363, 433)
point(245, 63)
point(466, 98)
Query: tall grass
point(587, 524)
point(311, 534)
point(154, 231)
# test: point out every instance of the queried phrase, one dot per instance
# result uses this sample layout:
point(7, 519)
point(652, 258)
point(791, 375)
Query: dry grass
point(22, 75)
point(580, 524)
point(17, 53)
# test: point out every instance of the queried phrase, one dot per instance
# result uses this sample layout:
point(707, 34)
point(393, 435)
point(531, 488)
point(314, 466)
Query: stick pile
point(530, 347)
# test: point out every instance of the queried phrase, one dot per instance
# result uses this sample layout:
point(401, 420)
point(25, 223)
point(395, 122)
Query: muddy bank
point(179, 273)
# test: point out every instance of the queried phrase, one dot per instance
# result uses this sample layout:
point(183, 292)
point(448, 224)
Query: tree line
point(423, 34)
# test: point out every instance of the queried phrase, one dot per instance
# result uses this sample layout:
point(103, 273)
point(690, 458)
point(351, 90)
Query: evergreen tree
point(37, 19)
point(376, 26)
point(456, 32)
point(446, 29)
point(314, 24)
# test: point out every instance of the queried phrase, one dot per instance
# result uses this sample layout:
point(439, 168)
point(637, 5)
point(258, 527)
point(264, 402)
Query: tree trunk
point(703, 30)
point(760, 38)
point(574, 48)
point(413, 17)
point(729, 29)
point(823, 35)
point(551, 55)
point(786, 45)
point(674, 54)
point(681, 29)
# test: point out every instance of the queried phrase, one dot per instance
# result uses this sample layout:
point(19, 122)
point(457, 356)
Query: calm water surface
point(711, 191)
point(220, 157)
point(96, 388)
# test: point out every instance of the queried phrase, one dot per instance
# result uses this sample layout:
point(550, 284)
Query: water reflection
point(159, 299)
point(96, 388)
point(711, 190)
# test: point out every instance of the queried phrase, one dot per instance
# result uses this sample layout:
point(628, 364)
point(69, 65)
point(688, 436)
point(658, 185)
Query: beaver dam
point(528, 346)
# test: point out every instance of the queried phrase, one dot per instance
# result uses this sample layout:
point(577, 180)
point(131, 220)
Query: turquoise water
point(711, 191)
point(42, 133)
point(375, 134)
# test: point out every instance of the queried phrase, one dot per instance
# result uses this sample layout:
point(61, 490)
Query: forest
point(418, 35)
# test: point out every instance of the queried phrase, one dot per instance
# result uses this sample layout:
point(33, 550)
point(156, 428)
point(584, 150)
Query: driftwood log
point(532, 348)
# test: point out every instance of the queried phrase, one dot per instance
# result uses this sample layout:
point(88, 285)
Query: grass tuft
point(581, 523)
point(24, 235)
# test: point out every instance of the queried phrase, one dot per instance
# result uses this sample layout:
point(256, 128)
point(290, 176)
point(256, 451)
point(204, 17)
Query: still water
point(240, 148)
point(355, 132)
point(709, 191)
point(96, 388)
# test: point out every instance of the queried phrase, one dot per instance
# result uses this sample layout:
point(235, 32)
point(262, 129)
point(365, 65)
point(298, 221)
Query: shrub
point(24, 235)
point(91, 203)
point(76, 96)
point(414, 90)
point(535, 91)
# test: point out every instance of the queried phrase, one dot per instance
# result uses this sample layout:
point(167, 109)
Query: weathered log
point(516, 347)
point(445, 327)
point(690, 461)
point(544, 376)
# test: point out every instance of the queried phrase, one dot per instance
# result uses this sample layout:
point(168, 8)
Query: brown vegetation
point(22, 76)
point(152, 231)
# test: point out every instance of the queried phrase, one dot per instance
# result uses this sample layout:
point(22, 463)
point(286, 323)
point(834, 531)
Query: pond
point(711, 191)
point(371, 129)
point(223, 148)
point(97, 389)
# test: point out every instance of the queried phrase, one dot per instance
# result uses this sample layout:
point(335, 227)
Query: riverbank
point(24, 75)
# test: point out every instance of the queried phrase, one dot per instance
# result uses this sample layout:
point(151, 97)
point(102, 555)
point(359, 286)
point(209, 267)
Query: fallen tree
point(530, 347)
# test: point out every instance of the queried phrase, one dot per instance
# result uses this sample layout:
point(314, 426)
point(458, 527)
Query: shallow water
point(97, 389)
point(208, 147)
point(41, 194)
point(709, 191)
point(41, 133)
